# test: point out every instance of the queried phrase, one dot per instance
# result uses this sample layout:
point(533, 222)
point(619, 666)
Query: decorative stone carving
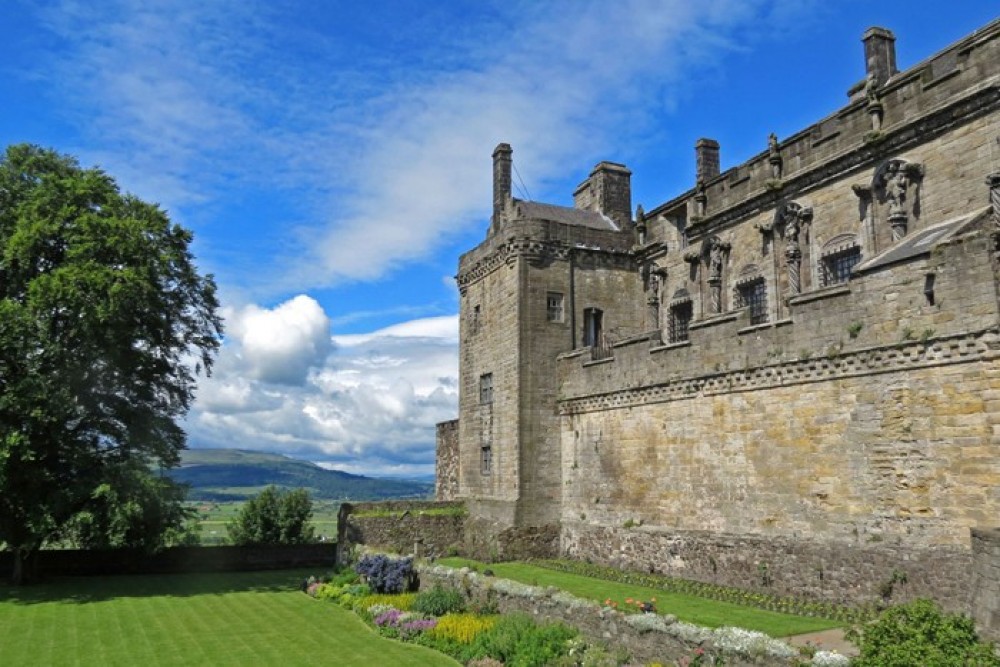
point(700, 199)
point(874, 102)
point(640, 224)
point(892, 183)
point(993, 180)
point(715, 251)
point(774, 156)
point(654, 280)
point(788, 221)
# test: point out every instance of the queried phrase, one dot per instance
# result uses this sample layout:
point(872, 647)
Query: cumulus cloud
point(280, 345)
point(369, 406)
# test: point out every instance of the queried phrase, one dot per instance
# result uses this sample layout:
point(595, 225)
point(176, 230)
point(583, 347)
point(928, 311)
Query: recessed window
point(474, 322)
point(554, 307)
point(486, 459)
point(680, 320)
point(486, 388)
point(837, 266)
point(753, 295)
point(592, 323)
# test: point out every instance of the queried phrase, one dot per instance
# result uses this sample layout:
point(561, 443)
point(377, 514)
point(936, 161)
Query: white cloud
point(281, 345)
point(370, 406)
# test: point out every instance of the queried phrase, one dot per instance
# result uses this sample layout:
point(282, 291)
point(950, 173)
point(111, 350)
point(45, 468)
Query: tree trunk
point(22, 556)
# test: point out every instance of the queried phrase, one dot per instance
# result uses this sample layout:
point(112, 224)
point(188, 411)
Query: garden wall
point(176, 560)
point(427, 528)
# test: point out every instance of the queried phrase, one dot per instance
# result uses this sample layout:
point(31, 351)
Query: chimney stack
point(501, 180)
point(707, 152)
point(608, 190)
point(880, 54)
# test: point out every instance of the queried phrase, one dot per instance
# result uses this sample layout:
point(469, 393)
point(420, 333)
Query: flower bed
point(645, 636)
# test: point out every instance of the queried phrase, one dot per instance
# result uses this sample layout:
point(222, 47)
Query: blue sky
point(333, 159)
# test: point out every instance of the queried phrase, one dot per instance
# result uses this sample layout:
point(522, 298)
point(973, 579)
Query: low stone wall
point(986, 582)
point(646, 637)
point(490, 541)
point(403, 527)
point(176, 560)
point(848, 574)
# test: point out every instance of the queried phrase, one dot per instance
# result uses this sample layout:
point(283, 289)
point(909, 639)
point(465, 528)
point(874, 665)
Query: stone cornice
point(535, 250)
point(956, 349)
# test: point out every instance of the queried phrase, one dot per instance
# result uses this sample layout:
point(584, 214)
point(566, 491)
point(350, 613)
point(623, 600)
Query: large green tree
point(104, 324)
point(274, 517)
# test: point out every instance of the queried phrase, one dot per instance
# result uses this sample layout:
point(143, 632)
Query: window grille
point(486, 459)
point(680, 319)
point(837, 266)
point(753, 294)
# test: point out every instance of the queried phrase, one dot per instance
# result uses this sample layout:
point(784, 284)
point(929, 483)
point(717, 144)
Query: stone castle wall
point(842, 435)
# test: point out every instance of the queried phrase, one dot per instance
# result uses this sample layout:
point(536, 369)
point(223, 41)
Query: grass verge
point(690, 608)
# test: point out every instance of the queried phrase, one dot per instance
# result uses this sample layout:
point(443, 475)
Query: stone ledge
point(715, 319)
point(822, 293)
point(949, 350)
point(670, 346)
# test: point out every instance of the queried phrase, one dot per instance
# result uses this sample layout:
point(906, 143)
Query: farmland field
point(213, 517)
point(249, 618)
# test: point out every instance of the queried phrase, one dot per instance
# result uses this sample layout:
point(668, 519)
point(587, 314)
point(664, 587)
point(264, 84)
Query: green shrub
point(518, 642)
point(918, 633)
point(439, 601)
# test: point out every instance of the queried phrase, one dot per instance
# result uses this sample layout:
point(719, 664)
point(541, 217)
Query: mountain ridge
point(218, 474)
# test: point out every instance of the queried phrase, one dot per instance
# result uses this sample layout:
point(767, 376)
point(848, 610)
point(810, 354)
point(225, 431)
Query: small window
point(486, 388)
point(554, 307)
point(474, 321)
point(837, 266)
point(753, 295)
point(486, 459)
point(592, 322)
point(680, 319)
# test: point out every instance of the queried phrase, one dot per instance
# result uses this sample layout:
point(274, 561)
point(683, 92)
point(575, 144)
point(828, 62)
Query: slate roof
point(531, 210)
point(922, 241)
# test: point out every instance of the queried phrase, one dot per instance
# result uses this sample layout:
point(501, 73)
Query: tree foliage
point(274, 517)
point(918, 633)
point(104, 324)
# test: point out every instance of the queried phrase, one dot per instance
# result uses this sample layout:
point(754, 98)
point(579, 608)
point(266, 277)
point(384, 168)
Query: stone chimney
point(501, 180)
point(707, 152)
point(880, 54)
point(608, 190)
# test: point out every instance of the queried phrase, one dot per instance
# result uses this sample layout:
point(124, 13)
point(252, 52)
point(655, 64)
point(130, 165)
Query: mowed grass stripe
point(256, 618)
point(690, 608)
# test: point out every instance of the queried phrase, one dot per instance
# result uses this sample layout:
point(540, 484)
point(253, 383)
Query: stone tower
point(533, 290)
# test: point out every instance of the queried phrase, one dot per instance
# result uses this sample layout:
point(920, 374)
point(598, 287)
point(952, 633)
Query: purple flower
point(389, 618)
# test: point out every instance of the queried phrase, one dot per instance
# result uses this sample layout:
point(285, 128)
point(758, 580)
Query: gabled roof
point(529, 210)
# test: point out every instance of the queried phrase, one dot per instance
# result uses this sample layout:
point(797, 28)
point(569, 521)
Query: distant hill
point(235, 474)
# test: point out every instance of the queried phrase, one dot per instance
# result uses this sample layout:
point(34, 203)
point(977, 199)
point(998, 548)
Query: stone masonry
point(787, 377)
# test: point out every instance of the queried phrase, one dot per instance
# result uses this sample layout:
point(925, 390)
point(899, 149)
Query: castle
point(787, 377)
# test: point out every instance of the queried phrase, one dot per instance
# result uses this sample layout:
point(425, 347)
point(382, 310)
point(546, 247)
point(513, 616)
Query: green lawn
point(690, 608)
point(255, 618)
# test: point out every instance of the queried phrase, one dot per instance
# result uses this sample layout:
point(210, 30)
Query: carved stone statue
point(871, 89)
point(715, 260)
point(774, 155)
point(894, 181)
